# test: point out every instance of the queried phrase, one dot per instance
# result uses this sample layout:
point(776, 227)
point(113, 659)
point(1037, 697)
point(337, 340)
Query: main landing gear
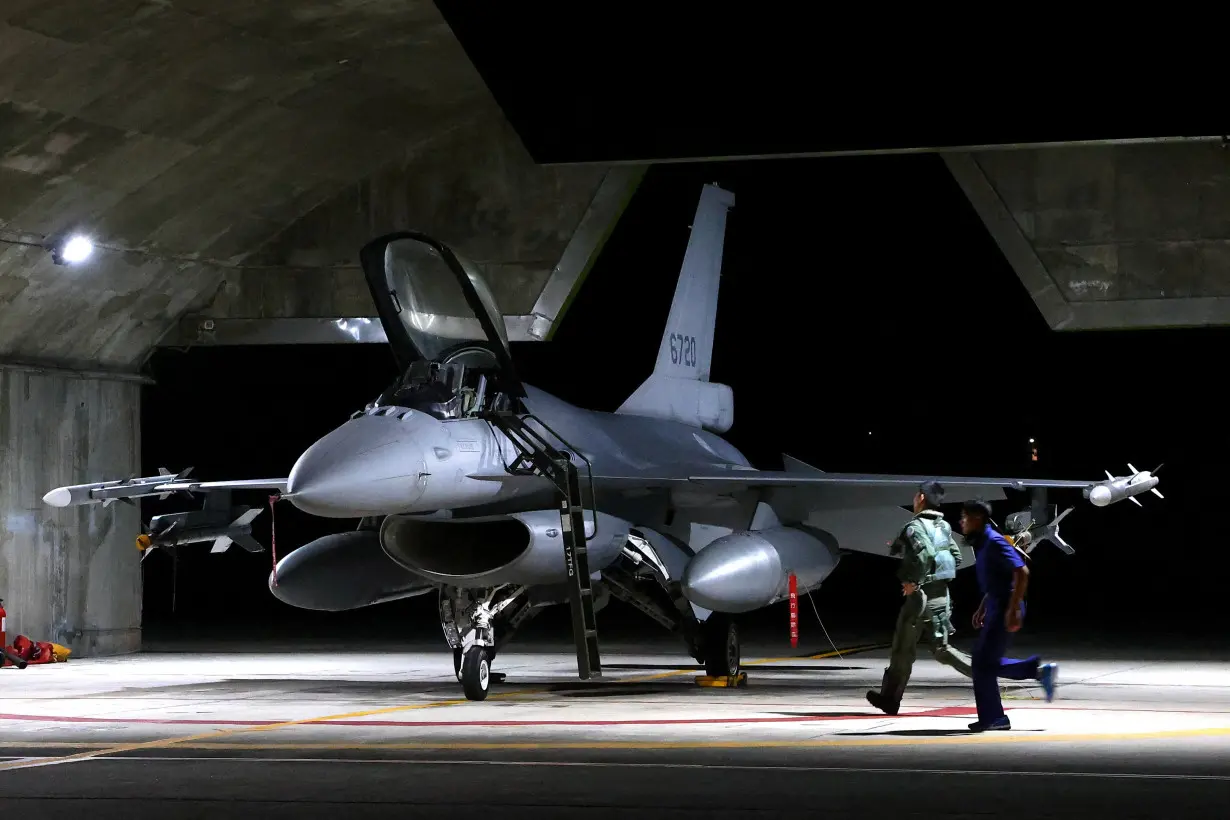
point(721, 646)
point(642, 580)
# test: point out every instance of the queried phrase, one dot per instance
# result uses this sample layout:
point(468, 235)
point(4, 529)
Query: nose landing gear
point(469, 629)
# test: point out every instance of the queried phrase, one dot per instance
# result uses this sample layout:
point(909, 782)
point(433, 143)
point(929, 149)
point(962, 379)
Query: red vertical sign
point(794, 611)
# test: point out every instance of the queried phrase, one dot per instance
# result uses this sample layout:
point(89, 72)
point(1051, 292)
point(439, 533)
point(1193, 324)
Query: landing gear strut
point(469, 629)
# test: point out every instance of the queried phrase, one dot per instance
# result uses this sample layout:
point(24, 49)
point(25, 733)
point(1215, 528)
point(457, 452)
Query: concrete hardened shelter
point(229, 158)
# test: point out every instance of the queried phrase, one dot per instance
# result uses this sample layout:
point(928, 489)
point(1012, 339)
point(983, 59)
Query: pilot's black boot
point(888, 699)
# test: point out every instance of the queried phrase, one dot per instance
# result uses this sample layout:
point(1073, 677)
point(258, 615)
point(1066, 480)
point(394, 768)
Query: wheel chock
point(724, 681)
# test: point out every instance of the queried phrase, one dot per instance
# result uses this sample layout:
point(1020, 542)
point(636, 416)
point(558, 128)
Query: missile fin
point(247, 518)
point(248, 542)
point(222, 544)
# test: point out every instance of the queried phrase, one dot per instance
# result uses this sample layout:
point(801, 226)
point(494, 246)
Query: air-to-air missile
point(106, 492)
point(1027, 533)
point(219, 523)
point(1117, 488)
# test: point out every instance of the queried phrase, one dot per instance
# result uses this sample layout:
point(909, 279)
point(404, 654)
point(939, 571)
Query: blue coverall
point(996, 560)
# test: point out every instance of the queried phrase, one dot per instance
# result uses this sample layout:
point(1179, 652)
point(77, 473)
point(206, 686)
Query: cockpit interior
point(463, 383)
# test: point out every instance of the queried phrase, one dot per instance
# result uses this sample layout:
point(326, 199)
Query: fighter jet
point(469, 482)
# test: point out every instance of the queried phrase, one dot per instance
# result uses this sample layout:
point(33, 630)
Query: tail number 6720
point(683, 350)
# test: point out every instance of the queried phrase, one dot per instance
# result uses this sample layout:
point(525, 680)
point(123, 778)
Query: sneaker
point(998, 725)
point(1047, 676)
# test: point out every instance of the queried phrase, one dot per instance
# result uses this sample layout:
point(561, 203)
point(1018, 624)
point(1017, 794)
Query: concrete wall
point(1111, 237)
point(72, 576)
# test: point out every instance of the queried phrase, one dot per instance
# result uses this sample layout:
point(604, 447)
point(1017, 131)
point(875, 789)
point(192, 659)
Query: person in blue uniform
point(1003, 578)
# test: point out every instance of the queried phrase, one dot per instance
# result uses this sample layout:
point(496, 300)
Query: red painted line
point(951, 711)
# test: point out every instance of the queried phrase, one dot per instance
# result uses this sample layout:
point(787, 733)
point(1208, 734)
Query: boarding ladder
point(537, 456)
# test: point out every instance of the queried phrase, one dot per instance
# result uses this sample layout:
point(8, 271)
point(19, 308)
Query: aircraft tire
point(476, 673)
point(723, 654)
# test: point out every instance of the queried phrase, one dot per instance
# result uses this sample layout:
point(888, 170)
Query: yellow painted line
point(633, 745)
point(185, 741)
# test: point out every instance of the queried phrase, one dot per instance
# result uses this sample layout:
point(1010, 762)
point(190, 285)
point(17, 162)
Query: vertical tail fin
point(686, 351)
point(679, 388)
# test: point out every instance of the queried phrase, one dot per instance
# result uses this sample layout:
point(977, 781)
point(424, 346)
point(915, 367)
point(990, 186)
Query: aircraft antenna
point(816, 610)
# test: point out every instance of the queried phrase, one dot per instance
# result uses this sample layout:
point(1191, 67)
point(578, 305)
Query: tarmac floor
point(328, 734)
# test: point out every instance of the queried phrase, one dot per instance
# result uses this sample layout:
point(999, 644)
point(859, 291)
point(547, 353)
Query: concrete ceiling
point(1111, 237)
point(186, 136)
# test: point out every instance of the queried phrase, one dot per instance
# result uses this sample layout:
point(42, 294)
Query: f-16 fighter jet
point(505, 499)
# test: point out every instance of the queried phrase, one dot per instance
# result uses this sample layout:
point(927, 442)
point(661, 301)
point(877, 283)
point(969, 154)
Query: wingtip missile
point(108, 492)
point(1117, 488)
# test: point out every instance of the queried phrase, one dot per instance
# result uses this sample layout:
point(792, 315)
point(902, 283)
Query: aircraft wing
point(834, 489)
point(785, 478)
point(738, 479)
point(278, 484)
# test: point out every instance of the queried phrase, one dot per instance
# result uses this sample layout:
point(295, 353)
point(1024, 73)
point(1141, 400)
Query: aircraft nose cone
point(371, 465)
point(737, 573)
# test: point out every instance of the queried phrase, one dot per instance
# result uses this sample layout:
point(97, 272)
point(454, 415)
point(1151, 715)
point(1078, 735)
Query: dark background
point(867, 322)
point(670, 82)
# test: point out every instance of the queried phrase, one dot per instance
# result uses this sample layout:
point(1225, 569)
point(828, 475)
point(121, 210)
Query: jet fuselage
point(392, 460)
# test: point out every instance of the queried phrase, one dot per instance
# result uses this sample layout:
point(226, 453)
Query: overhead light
point(1031, 441)
point(72, 251)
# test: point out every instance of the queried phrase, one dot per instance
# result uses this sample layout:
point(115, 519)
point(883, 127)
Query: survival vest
point(941, 564)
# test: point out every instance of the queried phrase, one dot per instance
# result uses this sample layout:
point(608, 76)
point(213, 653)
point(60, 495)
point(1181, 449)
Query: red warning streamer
point(794, 611)
point(273, 535)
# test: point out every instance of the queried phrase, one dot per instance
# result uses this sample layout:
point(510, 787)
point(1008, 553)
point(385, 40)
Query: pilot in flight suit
point(929, 560)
